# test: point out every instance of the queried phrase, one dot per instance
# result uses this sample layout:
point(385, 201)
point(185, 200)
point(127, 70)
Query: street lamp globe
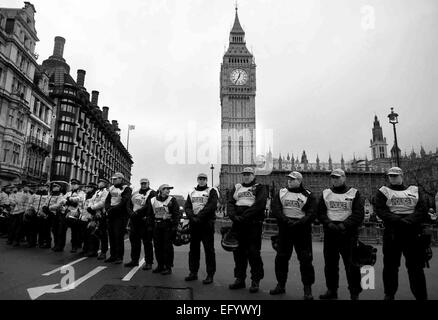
point(393, 117)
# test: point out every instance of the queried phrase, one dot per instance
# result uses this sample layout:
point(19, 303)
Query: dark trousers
point(300, 238)
point(163, 243)
point(116, 231)
point(337, 244)
point(76, 233)
point(59, 230)
point(394, 245)
point(44, 226)
point(15, 228)
point(202, 232)
point(84, 235)
point(30, 229)
point(249, 236)
point(141, 232)
point(102, 235)
point(4, 224)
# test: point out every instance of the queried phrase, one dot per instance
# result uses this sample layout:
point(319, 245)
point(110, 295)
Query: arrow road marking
point(63, 267)
point(35, 293)
point(131, 273)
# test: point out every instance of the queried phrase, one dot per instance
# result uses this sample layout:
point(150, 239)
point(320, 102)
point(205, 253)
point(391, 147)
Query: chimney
point(58, 50)
point(94, 97)
point(59, 76)
point(81, 78)
point(105, 113)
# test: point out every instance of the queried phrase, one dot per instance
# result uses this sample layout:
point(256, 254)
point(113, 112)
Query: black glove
point(341, 228)
point(196, 219)
point(46, 209)
point(333, 227)
point(239, 219)
point(405, 222)
point(291, 223)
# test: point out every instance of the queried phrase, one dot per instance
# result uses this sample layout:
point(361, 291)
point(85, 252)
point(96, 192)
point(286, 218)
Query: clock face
point(239, 77)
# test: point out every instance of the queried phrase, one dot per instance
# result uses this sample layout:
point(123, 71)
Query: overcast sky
point(323, 71)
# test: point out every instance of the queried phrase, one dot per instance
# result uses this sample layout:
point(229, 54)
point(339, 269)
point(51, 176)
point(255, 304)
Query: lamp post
point(212, 170)
point(393, 119)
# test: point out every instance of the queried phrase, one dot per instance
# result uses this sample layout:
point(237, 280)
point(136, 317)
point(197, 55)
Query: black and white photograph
point(219, 155)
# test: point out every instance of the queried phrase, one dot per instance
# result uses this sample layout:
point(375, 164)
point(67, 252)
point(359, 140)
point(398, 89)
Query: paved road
point(21, 269)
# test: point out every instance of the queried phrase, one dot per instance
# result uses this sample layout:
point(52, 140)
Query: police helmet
point(364, 255)
point(229, 241)
point(182, 236)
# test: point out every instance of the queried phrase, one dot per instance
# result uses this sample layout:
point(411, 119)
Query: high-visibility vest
point(401, 202)
point(244, 196)
point(199, 199)
point(116, 195)
point(139, 200)
point(161, 210)
point(293, 203)
point(339, 205)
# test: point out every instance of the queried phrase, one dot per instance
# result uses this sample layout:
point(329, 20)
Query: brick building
point(86, 145)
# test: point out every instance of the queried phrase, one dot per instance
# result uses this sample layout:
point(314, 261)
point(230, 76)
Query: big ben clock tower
point(237, 96)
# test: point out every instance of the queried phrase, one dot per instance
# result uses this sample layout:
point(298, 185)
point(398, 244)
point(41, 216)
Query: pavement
point(30, 274)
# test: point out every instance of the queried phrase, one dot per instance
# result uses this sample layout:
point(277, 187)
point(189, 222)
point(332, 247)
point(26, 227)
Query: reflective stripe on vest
point(139, 200)
point(292, 203)
point(161, 210)
point(199, 199)
point(401, 201)
point(116, 195)
point(244, 196)
point(339, 206)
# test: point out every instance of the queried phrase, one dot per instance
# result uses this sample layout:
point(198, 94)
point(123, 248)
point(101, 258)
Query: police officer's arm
point(174, 212)
point(143, 211)
point(188, 207)
point(101, 203)
point(261, 197)
point(277, 209)
point(108, 201)
point(420, 214)
point(357, 213)
point(382, 210)
point(310, 209)
point(210, 207)
point(322, 212)
point(231, 203)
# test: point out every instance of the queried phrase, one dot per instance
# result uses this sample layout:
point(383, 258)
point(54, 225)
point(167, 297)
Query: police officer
point(164, 209)
point(74, 204)
point(117, 206)
point(86, 217)
point(295, 210)
point(246, 208)
point(402, 210)
point(200, 207)
point(53, 208)
point(4, 207)
point(42, 218)
point(141, 228)
point(17, 203)
point(100, 233)
point(341, 211)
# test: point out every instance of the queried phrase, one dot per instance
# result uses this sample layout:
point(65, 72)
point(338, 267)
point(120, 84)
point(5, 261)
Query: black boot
point(308, 293)
point(131, 264)
point(254, 286)
point(279, 289)
point(102, 256)
point(329, 295)
point(354, 296)
point(208, 280)
point(158, 269)
point(191, 277)
point(388, 297)
point(147, 266)
point(238, 284)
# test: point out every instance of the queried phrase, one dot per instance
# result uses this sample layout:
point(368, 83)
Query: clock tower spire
point(237, 96)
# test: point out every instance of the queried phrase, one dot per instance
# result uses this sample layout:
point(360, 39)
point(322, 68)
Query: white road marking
point(35, 293)
point(134, 270)
point(63, 267)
